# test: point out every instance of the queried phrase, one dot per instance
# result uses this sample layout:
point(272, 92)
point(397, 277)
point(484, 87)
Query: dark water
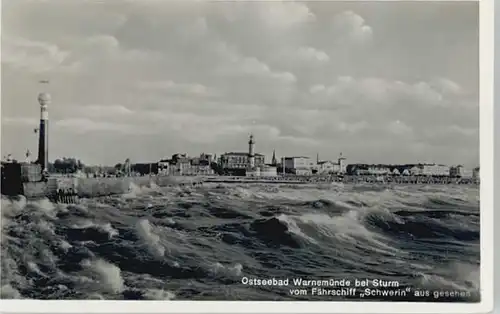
point(198, 244)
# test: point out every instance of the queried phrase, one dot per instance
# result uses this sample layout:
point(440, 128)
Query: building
point(164, 166)
point(327, 167)
point(416, 170)
point(298, 162)
point(263, 171)
point(208, 158)
point(467, 173)
point(239, 163)
point(234, 160)
point(302, 172)
point(299, 165)
point(252, 173)
point(368, 169)
point(183, 165)
point(331, 167)
point(268, 171)
point(456, 171)
point(436, 170)
point(378, 170)
point(274, 162)
point(461, 172)
point(475, 173)
point(342, 164)
point(430, 170)
point(383, 169)
point(239, 160)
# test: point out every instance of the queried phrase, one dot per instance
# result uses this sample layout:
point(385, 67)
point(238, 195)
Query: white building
point(436, 170)
point(331, 167)
point(182, 165)
point(342, 164)
point(416, 171)
point(456, 171)
point(268, 171)
point(467, 173)
point(475, 173)
point(253, 172)
point(164, 166)
point(327, 167)
point(299, 162)
point(300, 165)
point(239, 160)
point(461, 171)
point(263, 171)
point(302, 172)
point(378, 170)
point(430, 170)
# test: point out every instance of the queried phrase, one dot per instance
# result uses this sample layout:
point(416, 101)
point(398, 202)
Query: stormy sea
point(211, 242)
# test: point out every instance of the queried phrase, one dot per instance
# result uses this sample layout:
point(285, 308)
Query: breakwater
point(95, 187)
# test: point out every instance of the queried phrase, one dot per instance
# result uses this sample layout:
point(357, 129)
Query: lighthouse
point(251, 152)
point(44, 100)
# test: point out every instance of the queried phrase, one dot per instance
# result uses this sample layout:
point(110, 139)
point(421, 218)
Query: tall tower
point(43, 132)
point(342, 165)
point(251, 152)
point(274, 162)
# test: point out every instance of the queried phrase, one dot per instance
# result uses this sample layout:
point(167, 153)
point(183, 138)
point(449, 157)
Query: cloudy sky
point(392, 82)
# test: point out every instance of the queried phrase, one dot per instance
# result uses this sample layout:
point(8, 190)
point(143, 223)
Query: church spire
point(274, 161)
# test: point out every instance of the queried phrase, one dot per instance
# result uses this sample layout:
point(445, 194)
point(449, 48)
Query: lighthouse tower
point(251, 152)
point(44, 100)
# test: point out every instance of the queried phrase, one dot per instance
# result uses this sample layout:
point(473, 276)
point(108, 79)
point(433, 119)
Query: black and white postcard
point(314, 156)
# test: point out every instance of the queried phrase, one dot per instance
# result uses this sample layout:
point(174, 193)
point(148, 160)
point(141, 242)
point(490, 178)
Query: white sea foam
point(78, 208)
point(169, 221)
point(95, 296)
point(8, 292)
point(293, 227)
point(149, 238)
point(228, 270)
point(33, 267)
point(107, 228)
point(12, 207)
point(107, 275)
point(158, 294)
point(437, 281)
point(64, 245)
point(47, 207)
point(348, 227)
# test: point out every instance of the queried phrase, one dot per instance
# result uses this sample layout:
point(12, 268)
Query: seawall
point(94, 187)
point(345, 179)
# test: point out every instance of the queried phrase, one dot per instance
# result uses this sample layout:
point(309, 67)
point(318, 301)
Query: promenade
point(292, 179)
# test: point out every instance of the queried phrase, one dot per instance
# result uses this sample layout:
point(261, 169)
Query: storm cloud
point(380, 82)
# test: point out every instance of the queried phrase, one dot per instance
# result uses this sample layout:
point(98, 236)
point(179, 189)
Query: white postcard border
point(487, 236)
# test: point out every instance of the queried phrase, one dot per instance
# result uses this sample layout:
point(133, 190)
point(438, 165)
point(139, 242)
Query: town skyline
point(145, 81)
point(268, 158)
